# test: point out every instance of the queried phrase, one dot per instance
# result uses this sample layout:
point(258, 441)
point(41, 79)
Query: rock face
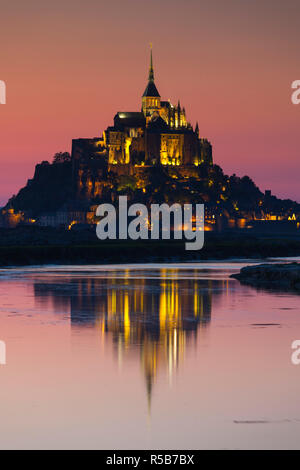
point(48, 190)
point(285, 276)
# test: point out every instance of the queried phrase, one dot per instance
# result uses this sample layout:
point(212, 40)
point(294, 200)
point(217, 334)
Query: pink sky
point(69, 66)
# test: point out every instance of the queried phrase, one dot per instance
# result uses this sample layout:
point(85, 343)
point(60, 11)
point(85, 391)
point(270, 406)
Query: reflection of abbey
point(153, 319)
point(158, 134)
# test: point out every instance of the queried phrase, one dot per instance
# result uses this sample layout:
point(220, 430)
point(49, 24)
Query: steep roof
point(151, 90)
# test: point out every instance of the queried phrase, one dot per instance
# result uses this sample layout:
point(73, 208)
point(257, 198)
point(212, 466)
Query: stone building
point(159, 134)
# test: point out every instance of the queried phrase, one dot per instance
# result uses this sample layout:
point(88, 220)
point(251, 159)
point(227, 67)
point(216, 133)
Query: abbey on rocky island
point(159, 134)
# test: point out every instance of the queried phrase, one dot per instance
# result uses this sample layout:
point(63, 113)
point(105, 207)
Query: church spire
point(151, 70)
point(151, 90)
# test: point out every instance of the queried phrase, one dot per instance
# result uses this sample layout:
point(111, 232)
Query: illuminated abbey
point(159, 134)
point(152, 156)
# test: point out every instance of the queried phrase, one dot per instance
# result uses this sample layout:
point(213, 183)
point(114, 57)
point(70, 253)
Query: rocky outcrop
point(284, 276)
point(48, 190)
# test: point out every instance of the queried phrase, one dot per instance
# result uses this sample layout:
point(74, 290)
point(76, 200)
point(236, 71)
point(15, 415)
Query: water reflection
point(155, 317)
point(85, 344)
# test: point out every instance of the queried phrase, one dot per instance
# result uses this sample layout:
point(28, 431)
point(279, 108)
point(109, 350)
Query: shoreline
point(26, 246)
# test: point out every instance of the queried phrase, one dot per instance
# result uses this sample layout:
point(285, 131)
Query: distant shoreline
point(25, 246)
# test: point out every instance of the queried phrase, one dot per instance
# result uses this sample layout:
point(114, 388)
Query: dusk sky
point(70, 65)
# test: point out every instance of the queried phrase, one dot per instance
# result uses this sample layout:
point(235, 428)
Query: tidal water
point(171, 356)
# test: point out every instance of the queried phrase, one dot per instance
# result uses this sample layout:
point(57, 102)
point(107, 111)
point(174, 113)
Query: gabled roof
point(151, 90)
point(129, 119)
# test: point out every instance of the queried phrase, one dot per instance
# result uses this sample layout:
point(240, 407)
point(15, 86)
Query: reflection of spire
point(151, 70)
point(155, 323)
point(149, 392)
point(149, 364)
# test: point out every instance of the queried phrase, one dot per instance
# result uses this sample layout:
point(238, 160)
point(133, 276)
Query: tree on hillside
point(61, 157)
